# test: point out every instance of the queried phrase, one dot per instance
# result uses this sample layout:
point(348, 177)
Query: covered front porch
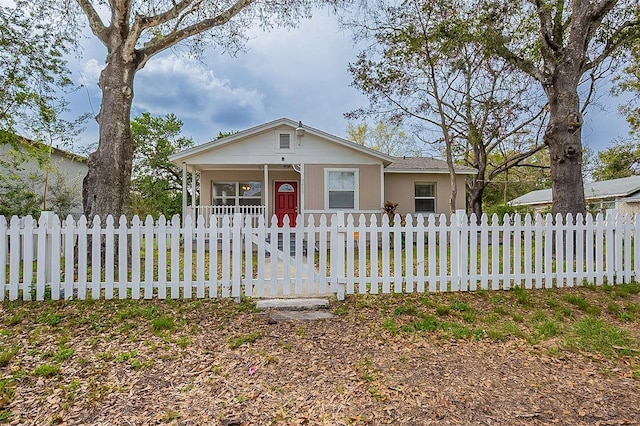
point(267, 191)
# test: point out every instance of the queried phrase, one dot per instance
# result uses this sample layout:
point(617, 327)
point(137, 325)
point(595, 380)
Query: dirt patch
point(220, 364)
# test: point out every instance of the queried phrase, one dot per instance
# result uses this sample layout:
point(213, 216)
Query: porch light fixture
point(300, 130)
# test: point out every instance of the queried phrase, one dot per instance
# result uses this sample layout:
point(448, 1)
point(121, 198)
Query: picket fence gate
point(339, 255)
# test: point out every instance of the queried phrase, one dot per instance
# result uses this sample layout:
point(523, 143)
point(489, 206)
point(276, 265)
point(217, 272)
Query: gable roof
point(392, 164)
point(425, 165)
point(21, 140)
point(217, 143)
point(614, 188)
point(68, 154)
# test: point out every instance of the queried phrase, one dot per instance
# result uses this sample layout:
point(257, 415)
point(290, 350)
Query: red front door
point(286, 202)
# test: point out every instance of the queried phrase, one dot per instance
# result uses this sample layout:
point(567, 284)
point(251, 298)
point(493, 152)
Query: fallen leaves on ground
point(345, 371)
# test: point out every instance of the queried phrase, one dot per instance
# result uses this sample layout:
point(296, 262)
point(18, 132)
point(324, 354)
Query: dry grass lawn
point(567, 357)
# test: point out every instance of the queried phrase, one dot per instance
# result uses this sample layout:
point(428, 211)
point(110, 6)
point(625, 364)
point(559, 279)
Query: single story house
point(621, 194)
point(54, 175)
point(283, 168)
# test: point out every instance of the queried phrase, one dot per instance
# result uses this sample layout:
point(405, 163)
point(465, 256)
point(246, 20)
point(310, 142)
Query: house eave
point(430, 171)
point(593, 198)
point(532, 203)
point(620, 195)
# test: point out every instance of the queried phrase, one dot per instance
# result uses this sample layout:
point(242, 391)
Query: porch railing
point(219, 212)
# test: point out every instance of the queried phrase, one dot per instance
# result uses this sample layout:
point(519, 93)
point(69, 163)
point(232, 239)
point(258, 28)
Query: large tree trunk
point(479, 182)
point(106, 187)
point(564, 138)
point(476, 189)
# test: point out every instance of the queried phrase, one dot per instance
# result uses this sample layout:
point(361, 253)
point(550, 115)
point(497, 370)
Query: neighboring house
point(59, 174)
point(283, 168)
point(621, 194)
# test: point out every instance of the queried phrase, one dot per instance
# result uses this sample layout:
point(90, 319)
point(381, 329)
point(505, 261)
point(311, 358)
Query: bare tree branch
point(143, 22)
point(157, 45)
point(95, 23)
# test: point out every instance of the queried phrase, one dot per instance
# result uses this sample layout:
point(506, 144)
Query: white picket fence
point(134, 259)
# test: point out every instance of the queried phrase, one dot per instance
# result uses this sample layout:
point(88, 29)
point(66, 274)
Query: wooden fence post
point(236, 240)
point(4, 255)
point(337, 255)
point(45, 221)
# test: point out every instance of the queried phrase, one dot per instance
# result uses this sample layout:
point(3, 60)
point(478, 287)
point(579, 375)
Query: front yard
point(567, 356)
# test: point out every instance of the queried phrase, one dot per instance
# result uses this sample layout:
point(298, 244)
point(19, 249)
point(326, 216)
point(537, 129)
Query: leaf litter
point(349, 370)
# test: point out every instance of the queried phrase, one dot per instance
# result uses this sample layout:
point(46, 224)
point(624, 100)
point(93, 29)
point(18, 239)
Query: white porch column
point(184, 190)
point(194, 177)
point(382, 200)
point(302, 191)
point(265, 193)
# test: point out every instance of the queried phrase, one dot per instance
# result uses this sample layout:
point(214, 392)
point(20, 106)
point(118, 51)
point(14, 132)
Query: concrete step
point(292, 304)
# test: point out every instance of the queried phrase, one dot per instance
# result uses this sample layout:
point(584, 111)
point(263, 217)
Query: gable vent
point(285, 141)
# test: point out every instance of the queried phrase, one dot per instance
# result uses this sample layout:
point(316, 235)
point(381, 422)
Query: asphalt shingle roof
point(424, 163)
point(614, 188)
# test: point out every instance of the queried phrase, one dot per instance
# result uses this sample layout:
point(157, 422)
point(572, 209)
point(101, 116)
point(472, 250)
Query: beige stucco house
point(284, 168)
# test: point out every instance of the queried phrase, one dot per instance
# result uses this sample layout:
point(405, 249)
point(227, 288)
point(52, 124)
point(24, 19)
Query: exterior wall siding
point(368, 180)
point(399, 188)
point(314, 186)
point(628, 208)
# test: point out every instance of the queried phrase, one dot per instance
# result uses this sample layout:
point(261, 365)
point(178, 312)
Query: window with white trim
point(341, 189)
point(425, 197)
point(237, 193)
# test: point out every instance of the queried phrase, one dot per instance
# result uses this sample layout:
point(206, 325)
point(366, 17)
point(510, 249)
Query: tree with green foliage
point(385, 137)
point(32, 74)
point(629, 81)
point(133, 32)
point(426, 69)
point(563, 46)
point(156, 183)
point(32, 71)
point(222, 134)
point(618, 161)
point(529, 175)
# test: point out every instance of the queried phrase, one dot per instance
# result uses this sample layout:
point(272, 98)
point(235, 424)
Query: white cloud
point(90, 72)
point(299, 73)
point(179, 85)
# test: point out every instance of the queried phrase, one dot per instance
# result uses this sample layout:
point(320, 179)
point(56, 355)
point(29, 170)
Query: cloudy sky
point(300, 74)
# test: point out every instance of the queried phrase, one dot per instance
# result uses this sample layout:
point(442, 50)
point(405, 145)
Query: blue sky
point(299, 73)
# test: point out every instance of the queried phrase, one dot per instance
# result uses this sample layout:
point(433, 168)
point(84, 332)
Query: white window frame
point(236, 197)
point(434, 198)
point(356, 189)
point(291, 141)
